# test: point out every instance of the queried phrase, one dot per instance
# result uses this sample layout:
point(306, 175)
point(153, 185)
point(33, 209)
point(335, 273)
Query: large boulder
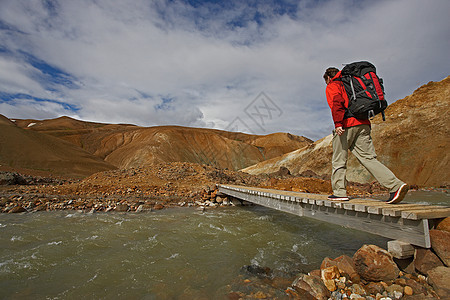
point(375, 264)
point(444, 225)
point(439, 279)
point(425, 260)
point(345, 265)
point(440, 242)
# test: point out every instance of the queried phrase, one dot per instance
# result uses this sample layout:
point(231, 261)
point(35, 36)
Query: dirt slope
point(206, 146)
point(21, 148)
point(414, 142)
point(5, 121)
point(128, 146)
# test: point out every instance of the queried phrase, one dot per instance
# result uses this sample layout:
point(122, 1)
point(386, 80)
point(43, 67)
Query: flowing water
point(177, 253)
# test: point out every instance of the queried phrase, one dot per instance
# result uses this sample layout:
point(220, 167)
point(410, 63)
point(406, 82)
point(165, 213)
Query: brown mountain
point(414, 142)
point(126, 146)
point(20, 148)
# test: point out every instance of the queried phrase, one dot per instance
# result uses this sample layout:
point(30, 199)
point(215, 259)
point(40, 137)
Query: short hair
point(330, 72)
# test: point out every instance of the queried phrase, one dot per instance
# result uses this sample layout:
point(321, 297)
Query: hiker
point(353, 134)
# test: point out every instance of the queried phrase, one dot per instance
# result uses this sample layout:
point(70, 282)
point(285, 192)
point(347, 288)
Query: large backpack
point(364, 89)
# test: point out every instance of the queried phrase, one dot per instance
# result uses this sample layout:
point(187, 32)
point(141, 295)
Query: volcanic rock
point(440, 242)
point(375, 264)
point(122, 207)
point(17, 209)
point(313, 285)
point(374, 288)
point(425, 260)
point(439, 279)
point(345, 264)
point(444, 225)
point(328, 275)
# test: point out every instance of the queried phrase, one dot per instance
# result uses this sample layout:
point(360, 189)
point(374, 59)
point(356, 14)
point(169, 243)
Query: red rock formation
point(375, 264)
point(128, 146)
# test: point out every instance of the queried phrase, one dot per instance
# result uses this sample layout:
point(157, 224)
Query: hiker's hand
point(339, 130)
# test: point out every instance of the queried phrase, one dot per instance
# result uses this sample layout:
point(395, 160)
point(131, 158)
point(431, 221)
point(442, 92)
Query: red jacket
point(338, 101)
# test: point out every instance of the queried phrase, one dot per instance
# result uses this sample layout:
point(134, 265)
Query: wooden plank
point(426, 214)
point(360, 207)
point(339, 204)
point(376, 210)
point(400, 250)
point(374, 207)
point(320, 202)
point(349, 206)
point(396, 209)
point(328, 203)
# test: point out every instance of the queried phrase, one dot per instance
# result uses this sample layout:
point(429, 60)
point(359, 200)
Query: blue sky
point(254, 66)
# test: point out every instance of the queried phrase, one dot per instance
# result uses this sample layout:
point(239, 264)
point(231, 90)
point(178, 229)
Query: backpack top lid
point(358, 68)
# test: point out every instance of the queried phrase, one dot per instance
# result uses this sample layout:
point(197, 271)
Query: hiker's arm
point(339, 130)
point(336, 103)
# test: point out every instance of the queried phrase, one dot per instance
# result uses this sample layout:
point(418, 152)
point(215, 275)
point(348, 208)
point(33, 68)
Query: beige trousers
point(357, 139)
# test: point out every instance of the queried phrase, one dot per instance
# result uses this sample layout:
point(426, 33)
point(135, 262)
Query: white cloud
point(127, 57)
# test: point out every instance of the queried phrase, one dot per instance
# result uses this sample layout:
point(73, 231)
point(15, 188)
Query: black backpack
point(364, 89)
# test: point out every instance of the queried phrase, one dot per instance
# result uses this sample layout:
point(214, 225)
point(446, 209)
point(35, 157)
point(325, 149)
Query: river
point(179, 253)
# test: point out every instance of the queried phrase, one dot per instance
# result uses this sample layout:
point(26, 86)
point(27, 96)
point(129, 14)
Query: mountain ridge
point(126, 146)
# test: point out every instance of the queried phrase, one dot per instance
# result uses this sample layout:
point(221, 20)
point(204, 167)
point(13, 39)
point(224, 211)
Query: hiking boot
point(336, 198)
point(398, 196)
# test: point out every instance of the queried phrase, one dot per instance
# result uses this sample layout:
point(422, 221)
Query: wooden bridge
point(405, 222)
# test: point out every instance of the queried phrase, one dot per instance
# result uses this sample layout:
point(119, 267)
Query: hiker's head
point(330, 73)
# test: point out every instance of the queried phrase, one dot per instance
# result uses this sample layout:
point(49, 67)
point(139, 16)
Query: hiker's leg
point(364, 151)
point(339, 164)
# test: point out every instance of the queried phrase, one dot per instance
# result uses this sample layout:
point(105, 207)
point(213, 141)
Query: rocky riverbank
point(372, 273)
point(149, 188)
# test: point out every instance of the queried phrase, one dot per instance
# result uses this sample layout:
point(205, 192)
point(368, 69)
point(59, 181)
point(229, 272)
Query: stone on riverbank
point(328, 275)
point(444, 225)
point(345, 264)
point(17, 209)
point(375, 264)
point(440, 242)
point(313, 285)
point(121, 207)
point(425, 260)
point(380, 279)
point(439, 279)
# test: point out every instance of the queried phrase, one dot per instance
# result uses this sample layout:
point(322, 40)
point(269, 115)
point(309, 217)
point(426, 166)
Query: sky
point(250, 66)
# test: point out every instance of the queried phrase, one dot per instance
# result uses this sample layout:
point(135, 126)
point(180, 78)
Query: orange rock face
point(126, 146)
